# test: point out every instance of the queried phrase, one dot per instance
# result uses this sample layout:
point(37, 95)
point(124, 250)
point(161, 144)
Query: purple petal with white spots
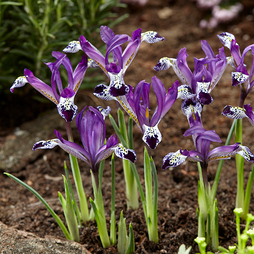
point(172, 160)
point(124, 153)
point(234, 112)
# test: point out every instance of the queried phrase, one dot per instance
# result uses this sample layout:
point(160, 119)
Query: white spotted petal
point(67, 109)
point(104, 111)
point(172, 160)
point(151, 37)
point(46, 144)
point(19, 82)
point(92, 64)
point(184, 92)
point(164, 64)
point(124, 153)
point(239, 77)
point(234, 112)
point(226, 39)
point(246, 153)
point(73, 47)
point(152, 136)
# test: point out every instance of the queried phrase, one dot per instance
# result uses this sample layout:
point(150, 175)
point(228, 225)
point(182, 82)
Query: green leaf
point(11, 3)
point(56, 217)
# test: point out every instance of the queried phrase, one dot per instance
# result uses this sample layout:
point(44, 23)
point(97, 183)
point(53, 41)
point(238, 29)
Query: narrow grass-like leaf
point(122, 235)
point(113, 217)
point(56, 217)
point(131, 244)
point(72, 193)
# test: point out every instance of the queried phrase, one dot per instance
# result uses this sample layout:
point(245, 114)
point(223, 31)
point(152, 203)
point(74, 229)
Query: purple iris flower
point(116, 69)
point(240, 75)
point(136, 104)
point(199, 83)
point(62, 97)
point(138, 108)
point(202, 153)
point(92, 130)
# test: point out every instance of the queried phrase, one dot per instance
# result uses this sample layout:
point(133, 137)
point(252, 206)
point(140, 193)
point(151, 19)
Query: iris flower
point(62, 97)
point(136, 104)
point(138, 108)
point(240, 75)
point(207, 72)
point(116, 69)
point(202, 152)
point(92, 130)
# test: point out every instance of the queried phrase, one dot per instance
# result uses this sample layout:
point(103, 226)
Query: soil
point(177, 203)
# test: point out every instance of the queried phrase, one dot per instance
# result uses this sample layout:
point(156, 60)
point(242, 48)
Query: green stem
point(140, 189)
point(78, 180)
point(72, 193)
point(131, 185)
point(98, 208)
point(218, 172)
point(155, 202)
point(113, 217)
point(149, 194)
point(239, 166)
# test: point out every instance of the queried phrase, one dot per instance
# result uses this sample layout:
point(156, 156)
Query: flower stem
point(239, 166)
point(218, 172)
point(78, 180)
point(126, 139)
point(113, 217)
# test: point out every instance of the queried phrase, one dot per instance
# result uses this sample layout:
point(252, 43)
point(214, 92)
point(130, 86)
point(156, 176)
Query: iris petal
point(172, 160)
point(152, 136)
point(223, 152)
point(125, 153)
point(234, 112)
point(185, 92)
point(164, 64)
point(45, 144)
point(92, 64)
point(104, 111)
point(246, 153)
point(238, 78)
point(102, 91)
point(205, 98)
point(67, 109)
point(19, 82)
point(151, 37)
point(72, 47)
point(226, 39)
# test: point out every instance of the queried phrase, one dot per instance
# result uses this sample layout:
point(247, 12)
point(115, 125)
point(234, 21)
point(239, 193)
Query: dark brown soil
point(177, 204)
